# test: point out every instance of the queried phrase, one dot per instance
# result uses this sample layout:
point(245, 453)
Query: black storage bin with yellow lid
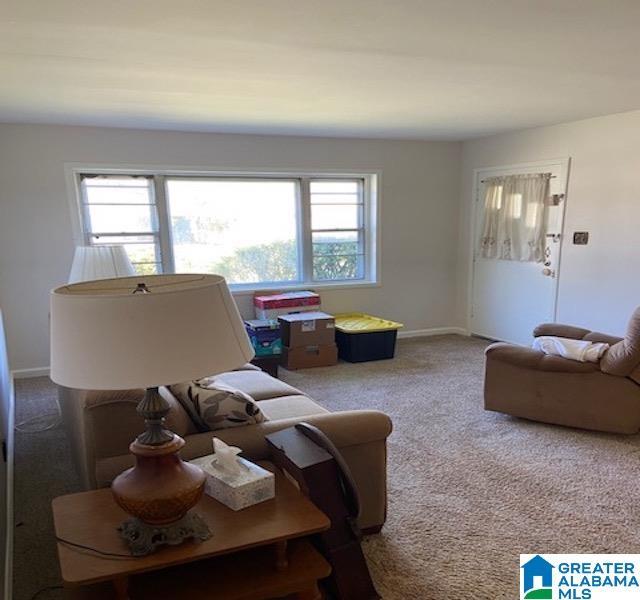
point(361, 337)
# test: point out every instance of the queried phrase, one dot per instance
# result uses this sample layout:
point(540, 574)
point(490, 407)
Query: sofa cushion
point(290, 406)
point(212, 404)
point(258, 384)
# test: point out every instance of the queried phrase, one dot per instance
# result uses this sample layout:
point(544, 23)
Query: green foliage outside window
point(335, 261)
point(277, 261)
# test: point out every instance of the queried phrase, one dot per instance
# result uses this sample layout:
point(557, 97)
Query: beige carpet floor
point(468, 490)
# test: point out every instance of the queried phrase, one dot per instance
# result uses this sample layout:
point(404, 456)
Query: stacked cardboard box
point(308, 340)
point(265, 336)
point(274, 305)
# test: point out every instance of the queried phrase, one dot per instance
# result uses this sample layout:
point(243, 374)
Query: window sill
point(250, 290)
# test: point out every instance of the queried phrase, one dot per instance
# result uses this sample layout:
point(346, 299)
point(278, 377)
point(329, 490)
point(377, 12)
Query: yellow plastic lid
point(363, 323)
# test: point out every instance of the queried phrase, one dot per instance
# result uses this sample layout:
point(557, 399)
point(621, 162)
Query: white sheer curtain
point(514, 217)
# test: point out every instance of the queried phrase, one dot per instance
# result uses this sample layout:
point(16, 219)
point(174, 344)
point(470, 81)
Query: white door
point(509, 298)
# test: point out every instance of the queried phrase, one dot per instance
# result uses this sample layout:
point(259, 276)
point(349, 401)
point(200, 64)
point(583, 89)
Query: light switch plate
point(580, 238)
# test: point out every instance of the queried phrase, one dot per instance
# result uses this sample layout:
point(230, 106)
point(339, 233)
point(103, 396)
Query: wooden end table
point(253, 554)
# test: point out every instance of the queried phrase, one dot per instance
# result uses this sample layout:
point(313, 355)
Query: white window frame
point(371, 220)
point(156, 219)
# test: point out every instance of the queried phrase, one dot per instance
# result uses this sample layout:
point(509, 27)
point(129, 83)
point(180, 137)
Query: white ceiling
point(425, 69)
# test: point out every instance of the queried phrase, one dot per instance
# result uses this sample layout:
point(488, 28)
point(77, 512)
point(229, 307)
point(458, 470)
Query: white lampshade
point(105, 337)
point(100, 262)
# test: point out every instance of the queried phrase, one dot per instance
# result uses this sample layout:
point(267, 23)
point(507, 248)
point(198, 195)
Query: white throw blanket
point(580, 350)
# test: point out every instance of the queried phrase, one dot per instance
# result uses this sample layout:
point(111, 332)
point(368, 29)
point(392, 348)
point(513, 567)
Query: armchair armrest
point(596, 336)
point(528, 358)
point(560, 330)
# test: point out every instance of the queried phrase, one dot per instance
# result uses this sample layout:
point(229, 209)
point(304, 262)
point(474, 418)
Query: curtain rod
point(484, 180)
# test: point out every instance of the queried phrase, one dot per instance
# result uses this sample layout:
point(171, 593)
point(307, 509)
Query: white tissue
point(226, 457)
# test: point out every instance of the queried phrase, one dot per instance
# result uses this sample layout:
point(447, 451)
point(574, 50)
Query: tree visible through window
point(244, 230)
point(337, 229)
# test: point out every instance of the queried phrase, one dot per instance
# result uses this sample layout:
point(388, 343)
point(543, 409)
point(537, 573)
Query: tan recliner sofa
point(525, 383)
point(102, 424)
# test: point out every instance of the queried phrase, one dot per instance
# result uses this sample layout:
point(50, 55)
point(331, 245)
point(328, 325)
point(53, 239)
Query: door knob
point(547, 272)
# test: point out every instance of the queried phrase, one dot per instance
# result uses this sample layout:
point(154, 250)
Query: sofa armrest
point(560, 330)
point(528, 358)
point(98, 424)
point(346, 428)
point(360, 435)
point(102, 424)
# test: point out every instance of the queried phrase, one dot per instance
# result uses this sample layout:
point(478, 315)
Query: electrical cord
point(96, 550)
point(48, 588)
point(56, 419)
point(102, 553)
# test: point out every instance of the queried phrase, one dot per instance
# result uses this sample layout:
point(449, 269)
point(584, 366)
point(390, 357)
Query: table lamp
point(100, 262)
point(144, 332)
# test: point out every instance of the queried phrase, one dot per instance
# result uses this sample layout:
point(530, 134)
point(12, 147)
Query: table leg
point(311, 593)
point(282, 562)
point(121, 585)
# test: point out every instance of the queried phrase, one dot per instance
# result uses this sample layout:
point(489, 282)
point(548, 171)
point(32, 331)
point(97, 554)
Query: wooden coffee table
point(256, 553)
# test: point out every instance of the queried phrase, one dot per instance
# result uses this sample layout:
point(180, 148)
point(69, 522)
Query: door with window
point(516, 249)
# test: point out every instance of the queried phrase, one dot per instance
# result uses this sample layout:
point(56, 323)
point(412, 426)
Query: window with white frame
point(256, 230)
point(122, 210)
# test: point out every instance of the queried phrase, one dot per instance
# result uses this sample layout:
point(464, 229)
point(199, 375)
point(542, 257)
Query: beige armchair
point(525, 383)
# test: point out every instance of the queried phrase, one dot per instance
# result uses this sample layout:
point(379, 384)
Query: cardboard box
point(271, 306)
point(274, 313)
point(254, 484)
point(290, 300)
point(264, 336)
point(305, 357)
point(307, 329)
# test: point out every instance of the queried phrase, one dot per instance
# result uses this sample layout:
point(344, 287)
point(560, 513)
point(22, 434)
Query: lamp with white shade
point(145, 332)
point(100, 262)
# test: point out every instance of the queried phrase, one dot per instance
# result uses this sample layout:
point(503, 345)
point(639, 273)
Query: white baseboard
point(415, 333)
point(27, 373)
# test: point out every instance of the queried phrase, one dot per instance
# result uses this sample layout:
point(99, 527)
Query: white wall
point(599, 283)
point(419, 205)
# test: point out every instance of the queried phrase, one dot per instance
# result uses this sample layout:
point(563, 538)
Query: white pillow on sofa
point(215, 405)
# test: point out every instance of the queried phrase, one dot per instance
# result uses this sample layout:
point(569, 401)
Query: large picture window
point(256, 231)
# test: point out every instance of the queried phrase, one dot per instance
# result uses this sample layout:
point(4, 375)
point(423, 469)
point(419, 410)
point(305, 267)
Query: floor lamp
point(100, 262)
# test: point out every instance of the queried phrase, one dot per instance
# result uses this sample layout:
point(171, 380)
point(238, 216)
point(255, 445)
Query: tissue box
point(237, 491)
point(265, 336)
